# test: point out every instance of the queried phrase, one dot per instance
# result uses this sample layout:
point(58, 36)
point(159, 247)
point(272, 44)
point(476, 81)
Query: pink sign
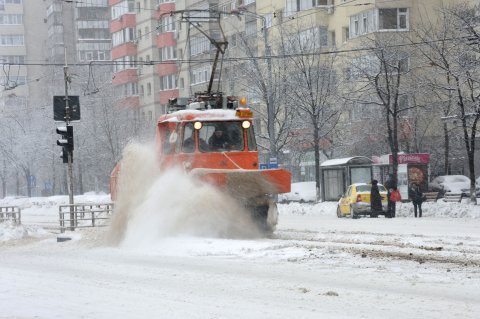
point(416, 158)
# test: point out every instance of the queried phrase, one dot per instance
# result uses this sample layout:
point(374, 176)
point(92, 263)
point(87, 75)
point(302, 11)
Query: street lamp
point(270, 107)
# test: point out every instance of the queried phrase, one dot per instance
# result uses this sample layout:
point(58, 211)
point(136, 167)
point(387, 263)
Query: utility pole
point(70, 150)
point(270, 107)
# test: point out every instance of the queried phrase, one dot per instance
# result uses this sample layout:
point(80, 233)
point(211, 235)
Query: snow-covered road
point(316, 266)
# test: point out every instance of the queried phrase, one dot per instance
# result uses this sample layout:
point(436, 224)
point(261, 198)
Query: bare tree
point(252, 75)
point(382, 85)
point(312, 85)
point(451, 47)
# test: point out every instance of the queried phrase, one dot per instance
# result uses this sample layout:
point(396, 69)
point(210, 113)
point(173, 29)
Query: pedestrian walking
point(375, 199)
point(391, 186)
point(416, 195)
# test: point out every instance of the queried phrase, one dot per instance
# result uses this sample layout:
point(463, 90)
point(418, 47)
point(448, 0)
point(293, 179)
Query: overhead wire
point(280, 56)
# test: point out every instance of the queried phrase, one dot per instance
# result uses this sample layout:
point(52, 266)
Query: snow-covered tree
point(311, 86)
point(451, 46)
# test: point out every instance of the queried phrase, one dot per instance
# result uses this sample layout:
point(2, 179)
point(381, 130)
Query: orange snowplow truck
point(218, 147)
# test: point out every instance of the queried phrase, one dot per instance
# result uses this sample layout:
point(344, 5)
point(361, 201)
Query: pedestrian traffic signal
point(66, 142)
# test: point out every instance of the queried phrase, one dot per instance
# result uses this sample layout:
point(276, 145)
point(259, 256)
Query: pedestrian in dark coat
point(375, 199)
point(416, 195)
point(391, 185)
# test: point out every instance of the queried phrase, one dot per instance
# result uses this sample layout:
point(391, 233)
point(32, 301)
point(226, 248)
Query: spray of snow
point(152, 204)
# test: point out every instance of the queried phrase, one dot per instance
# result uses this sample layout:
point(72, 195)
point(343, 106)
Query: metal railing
point(13, 213)
point(452, 197)
point(84, 215)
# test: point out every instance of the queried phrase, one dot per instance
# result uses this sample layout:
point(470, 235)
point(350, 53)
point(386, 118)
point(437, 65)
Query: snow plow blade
point(246, 183)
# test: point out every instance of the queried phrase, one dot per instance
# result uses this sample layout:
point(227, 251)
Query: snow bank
point(439, 209)
point(10, 231)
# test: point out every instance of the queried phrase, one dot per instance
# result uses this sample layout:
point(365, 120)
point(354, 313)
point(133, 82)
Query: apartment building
point(22, 40)
point(144, 51)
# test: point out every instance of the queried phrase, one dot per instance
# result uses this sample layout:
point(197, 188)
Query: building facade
point(22, 40)
point(144, 53)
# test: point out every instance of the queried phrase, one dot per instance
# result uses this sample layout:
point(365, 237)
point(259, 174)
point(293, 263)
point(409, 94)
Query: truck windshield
point(221, 137)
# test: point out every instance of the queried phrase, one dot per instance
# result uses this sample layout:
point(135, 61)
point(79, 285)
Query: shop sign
point(416, 158)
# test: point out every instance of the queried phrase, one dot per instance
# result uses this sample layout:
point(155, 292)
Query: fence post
point(61, 218)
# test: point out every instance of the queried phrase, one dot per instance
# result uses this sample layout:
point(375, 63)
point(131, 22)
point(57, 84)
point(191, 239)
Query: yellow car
point(356, 201)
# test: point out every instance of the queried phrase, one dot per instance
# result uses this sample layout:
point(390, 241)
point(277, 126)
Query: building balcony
point(167, 94)
point(169, 67)
point(127, 20)
point(125, 49)
point(128, 102)
point(125, 76)
point(166, 39)
point(164, 8)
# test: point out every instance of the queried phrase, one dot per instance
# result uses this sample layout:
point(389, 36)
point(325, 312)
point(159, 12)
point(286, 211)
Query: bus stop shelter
point(337, 174)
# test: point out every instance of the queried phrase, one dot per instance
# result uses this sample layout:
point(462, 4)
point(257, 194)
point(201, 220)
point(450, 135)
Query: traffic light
point(64, 155)
point(66, 142)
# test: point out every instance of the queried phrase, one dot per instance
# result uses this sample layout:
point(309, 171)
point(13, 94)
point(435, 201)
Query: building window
point(149, 89)
point(379, 20)
point(393, 19)
point(3, 2)
point(12, 81)
point(364, 23)
point(200, 75)
point(126, 62)
point(93, 55)
point(313, 38)
point(167, 24)
point(268, 20)
point(123, 36)
point(11, 40)
point(345, 34)
point(11, 19)
point(12, 59)
point(168, 53)
point(398, 64)
point(122, 8)
point(355, 26)
point(321, 3)
point(126, 90)
point(199, 45)
point(168, 82)
point(333, 40)
point(292, 6)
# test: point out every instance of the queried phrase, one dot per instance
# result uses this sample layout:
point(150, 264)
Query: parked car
point(303, 192)
point(458, 184)
point(356, 201)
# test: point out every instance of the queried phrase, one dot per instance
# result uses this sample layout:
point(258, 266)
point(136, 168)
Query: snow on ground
point(315, 266)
